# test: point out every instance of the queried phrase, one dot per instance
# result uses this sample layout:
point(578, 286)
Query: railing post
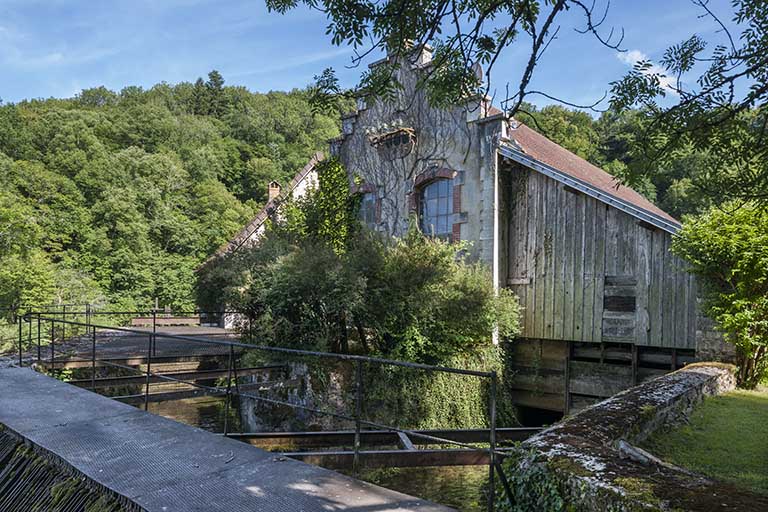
point(29, 331)
point(63, 323)
point(19, 319)
point(149, 368)
point(358, 414)
point(88, 318)
point(492, 442)
point(93, 359)
point(38, 339)
point(229, 388)
point(154, 331)
point(53, 342)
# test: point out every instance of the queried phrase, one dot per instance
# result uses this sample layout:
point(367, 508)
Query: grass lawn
point(727, 439)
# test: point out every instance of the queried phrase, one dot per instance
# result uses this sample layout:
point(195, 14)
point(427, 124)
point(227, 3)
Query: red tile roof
point(547, 152)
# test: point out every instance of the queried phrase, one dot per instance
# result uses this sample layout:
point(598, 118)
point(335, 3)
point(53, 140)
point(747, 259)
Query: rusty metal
point(357, 457)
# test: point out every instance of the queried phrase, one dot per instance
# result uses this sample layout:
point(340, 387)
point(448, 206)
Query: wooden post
point(567, 374)
point(634, 364)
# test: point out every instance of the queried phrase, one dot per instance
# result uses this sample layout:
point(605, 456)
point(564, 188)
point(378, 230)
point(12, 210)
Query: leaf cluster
point(728, 247)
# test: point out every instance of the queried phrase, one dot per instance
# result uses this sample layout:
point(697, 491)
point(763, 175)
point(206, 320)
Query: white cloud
point(632, 57)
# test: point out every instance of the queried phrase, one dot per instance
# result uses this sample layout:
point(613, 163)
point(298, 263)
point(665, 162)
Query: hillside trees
point(116, 197)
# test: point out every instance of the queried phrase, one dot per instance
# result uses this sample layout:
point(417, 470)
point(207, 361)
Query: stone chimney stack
point(273, 191)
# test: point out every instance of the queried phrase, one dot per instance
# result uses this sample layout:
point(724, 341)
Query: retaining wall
point(588, 462)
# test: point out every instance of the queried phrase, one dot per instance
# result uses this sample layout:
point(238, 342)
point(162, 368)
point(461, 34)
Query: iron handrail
point(494, 454)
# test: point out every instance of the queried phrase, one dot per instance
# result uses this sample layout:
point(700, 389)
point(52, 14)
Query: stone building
point(606, 305)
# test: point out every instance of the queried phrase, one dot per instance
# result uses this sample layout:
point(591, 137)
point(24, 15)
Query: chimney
point(273, 191)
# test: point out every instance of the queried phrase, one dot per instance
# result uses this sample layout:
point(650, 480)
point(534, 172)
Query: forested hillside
point(115, 197)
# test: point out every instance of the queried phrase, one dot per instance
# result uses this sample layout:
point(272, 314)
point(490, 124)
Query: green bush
point(728, 247)
point(318, 280)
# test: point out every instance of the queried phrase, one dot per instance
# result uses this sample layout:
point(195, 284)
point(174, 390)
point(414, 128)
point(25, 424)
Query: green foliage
point(330, 210)
point(317, 279)
point(534, 485)
point(423, 400)
point(117, 197)
point(411, 299)
point(718, 106)
point(458, 31)
point(728, 247)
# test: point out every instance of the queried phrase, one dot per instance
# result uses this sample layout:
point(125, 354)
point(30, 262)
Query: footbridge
point(156, 462)
point(147, 462)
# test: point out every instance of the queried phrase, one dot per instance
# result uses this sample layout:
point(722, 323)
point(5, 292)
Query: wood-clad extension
point(606, 305)
point(585, 271)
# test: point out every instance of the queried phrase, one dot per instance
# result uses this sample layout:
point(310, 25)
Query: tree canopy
point(729, 247)
point(701, 108)
point(116, 197)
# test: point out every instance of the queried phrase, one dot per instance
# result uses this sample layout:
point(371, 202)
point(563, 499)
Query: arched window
point(436, 208)
point(368, 209)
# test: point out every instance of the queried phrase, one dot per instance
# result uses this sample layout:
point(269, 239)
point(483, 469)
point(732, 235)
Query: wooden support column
point(567, 383)
point(634, 364)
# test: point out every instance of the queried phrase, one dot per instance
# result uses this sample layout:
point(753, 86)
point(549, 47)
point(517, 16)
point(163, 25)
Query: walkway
point(162, 465)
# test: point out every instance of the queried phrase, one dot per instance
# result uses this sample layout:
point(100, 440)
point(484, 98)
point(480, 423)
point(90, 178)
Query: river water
point(461, 487)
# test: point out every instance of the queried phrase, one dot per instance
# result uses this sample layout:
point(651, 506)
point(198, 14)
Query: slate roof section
point(245, 234)
point(543, 150)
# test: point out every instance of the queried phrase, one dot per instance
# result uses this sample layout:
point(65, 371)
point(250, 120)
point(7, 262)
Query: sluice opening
point(534, 417)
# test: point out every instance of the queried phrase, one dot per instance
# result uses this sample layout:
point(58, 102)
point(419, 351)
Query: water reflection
point(461, 487)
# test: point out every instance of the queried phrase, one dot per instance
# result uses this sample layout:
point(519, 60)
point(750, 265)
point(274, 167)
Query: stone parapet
point(588, 462)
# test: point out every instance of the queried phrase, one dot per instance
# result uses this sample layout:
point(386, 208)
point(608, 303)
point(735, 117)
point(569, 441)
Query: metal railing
point(230, 349)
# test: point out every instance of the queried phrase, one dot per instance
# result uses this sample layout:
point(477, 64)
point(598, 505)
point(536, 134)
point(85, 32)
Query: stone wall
point(588, 462)
point(710, 343)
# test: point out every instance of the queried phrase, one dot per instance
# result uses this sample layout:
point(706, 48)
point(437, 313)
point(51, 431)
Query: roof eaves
point(520, 157)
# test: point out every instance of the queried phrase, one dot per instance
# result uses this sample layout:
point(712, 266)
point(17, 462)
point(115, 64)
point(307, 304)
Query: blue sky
point(55, 48)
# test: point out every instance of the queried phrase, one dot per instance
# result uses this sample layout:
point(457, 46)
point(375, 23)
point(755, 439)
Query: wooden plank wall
point(585, 271)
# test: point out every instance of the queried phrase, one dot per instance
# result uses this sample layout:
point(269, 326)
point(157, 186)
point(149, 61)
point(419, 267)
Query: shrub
point(728, 247)
point(308, 285)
